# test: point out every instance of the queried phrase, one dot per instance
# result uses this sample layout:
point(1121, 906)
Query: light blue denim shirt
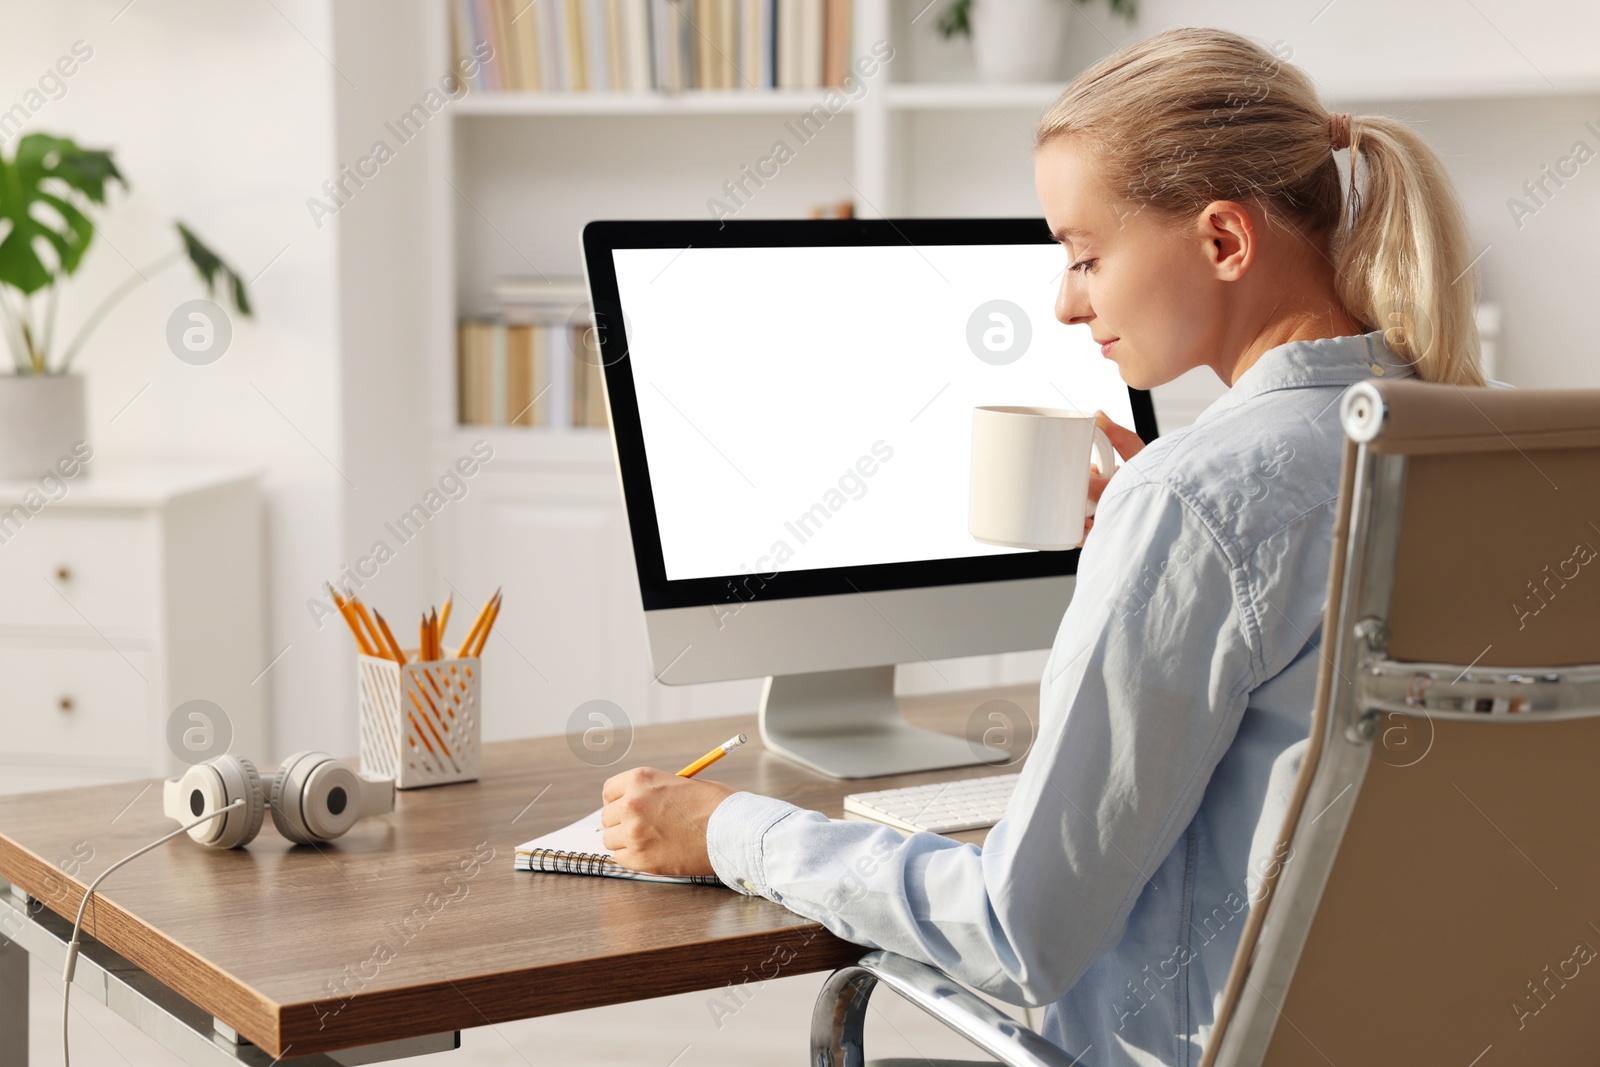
point(1174, 713)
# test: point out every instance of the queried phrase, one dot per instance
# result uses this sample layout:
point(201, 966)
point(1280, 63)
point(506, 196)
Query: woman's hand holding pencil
point(655, 821)
point(375, 638)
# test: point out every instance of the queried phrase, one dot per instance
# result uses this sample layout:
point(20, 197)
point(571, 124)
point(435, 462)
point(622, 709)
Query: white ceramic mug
point(1030, 475)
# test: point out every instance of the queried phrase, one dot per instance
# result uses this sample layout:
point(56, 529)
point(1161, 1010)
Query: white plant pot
point(42, 417)
point(1019, 40)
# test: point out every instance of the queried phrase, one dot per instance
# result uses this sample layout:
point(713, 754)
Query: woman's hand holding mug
point(1127, 443)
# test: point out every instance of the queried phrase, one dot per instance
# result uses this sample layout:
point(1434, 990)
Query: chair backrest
point(1436, 893)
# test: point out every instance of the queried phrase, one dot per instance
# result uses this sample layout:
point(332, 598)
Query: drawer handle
point(65, 704)
point(64, 573)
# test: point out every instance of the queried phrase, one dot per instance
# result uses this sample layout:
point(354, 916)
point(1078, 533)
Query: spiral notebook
point(577, 849)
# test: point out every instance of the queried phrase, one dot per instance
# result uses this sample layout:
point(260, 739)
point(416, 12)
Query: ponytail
point(1189, 116)
point(1402, 263)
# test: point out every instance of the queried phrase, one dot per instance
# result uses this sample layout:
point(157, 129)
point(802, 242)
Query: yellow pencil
point(375, 639)
point(711, 757)
point(388, 636)
point(488, 624)
point(472, 631)
point(444, 618)
point(348, 613)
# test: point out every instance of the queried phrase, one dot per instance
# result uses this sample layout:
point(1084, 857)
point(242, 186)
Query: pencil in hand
point(704, 761)
point(711, 757)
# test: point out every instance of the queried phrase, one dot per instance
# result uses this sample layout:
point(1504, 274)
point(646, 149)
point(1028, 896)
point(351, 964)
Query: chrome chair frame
point(839, 1020)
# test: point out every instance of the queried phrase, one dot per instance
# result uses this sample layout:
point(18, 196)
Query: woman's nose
point(1072, 304)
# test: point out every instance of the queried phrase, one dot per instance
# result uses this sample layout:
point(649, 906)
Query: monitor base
point(847, 724)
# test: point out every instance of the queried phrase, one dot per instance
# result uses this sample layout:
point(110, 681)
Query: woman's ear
point(1228, 234)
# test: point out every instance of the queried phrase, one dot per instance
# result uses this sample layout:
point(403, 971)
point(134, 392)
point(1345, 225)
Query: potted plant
point(1016, 40)
point(47, 189)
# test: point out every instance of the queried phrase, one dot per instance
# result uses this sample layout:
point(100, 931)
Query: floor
point(769, 1029)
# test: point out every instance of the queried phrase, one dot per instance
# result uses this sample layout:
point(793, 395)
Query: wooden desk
point(363, 940)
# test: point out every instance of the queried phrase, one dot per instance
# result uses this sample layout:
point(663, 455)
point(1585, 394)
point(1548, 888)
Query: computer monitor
point(790, 406)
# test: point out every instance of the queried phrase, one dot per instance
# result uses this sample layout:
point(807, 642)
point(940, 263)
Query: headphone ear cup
point(316, 798)
point(254, 806)
point(286, 813)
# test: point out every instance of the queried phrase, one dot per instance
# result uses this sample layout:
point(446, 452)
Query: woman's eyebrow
point(1066, 233)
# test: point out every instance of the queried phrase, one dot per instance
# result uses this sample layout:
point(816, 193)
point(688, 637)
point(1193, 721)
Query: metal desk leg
point(181, 1026)
point(13, 1003)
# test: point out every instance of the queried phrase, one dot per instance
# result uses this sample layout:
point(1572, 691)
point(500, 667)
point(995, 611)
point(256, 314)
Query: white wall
point(1542, 272)
point(219, 114)
point(383, 296)
point(1371, 43)
point(1367, 43)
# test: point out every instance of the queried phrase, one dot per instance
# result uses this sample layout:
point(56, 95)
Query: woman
point(1192, 181)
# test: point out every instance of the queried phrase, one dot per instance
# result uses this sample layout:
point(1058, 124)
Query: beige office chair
point(1439, 895)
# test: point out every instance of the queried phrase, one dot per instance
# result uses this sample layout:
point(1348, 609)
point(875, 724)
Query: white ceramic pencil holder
point(421, 723)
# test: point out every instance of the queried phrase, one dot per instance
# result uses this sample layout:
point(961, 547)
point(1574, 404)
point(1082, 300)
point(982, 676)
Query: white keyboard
point(942, 807)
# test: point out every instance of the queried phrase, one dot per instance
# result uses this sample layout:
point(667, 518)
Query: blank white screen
point(764, 375)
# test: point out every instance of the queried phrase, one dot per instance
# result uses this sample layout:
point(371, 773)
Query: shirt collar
point(1324, 361)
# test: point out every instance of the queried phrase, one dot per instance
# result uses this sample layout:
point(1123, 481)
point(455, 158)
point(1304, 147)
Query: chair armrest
point(838, 1020)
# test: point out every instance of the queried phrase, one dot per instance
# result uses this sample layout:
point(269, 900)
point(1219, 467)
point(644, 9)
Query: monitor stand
point(846, 724)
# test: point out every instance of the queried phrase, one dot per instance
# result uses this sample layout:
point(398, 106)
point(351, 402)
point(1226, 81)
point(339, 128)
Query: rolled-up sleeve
point(1142, 693)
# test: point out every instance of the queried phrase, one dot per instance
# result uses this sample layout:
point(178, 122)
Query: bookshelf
point(497, 152)
point(631, 104)
point(525, 169)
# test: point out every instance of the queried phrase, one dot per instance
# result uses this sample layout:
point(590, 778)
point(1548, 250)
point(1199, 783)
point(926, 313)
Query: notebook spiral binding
point(570, 862)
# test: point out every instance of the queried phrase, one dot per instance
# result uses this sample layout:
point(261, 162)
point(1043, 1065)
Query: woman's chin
point(1136, 376)
point(1142, 376)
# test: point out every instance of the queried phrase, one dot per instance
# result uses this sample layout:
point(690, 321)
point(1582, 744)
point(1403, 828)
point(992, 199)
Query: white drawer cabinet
point(85, 700)
point(74, 567)
point(131, 593)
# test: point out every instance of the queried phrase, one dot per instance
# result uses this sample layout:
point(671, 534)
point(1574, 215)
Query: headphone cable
point(72, 948)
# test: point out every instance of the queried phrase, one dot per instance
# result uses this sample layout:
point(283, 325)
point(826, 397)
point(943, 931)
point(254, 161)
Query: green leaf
point(80, 226)
point(957, 18)
point(44, 189)
point(209, 265)
point(89, 170)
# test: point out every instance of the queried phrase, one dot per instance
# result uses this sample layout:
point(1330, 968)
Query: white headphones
point(314, 798)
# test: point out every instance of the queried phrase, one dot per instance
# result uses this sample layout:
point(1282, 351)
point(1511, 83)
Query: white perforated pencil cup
point(420, 723)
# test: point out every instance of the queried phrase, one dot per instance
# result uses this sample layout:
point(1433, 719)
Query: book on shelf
point(544, 371)
point(638, 46)
point(515, 294)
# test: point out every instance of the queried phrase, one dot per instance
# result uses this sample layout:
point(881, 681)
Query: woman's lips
point(1105, 349)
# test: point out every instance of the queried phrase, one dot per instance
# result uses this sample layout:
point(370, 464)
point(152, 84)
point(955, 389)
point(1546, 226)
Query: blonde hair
point(1190, 116)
